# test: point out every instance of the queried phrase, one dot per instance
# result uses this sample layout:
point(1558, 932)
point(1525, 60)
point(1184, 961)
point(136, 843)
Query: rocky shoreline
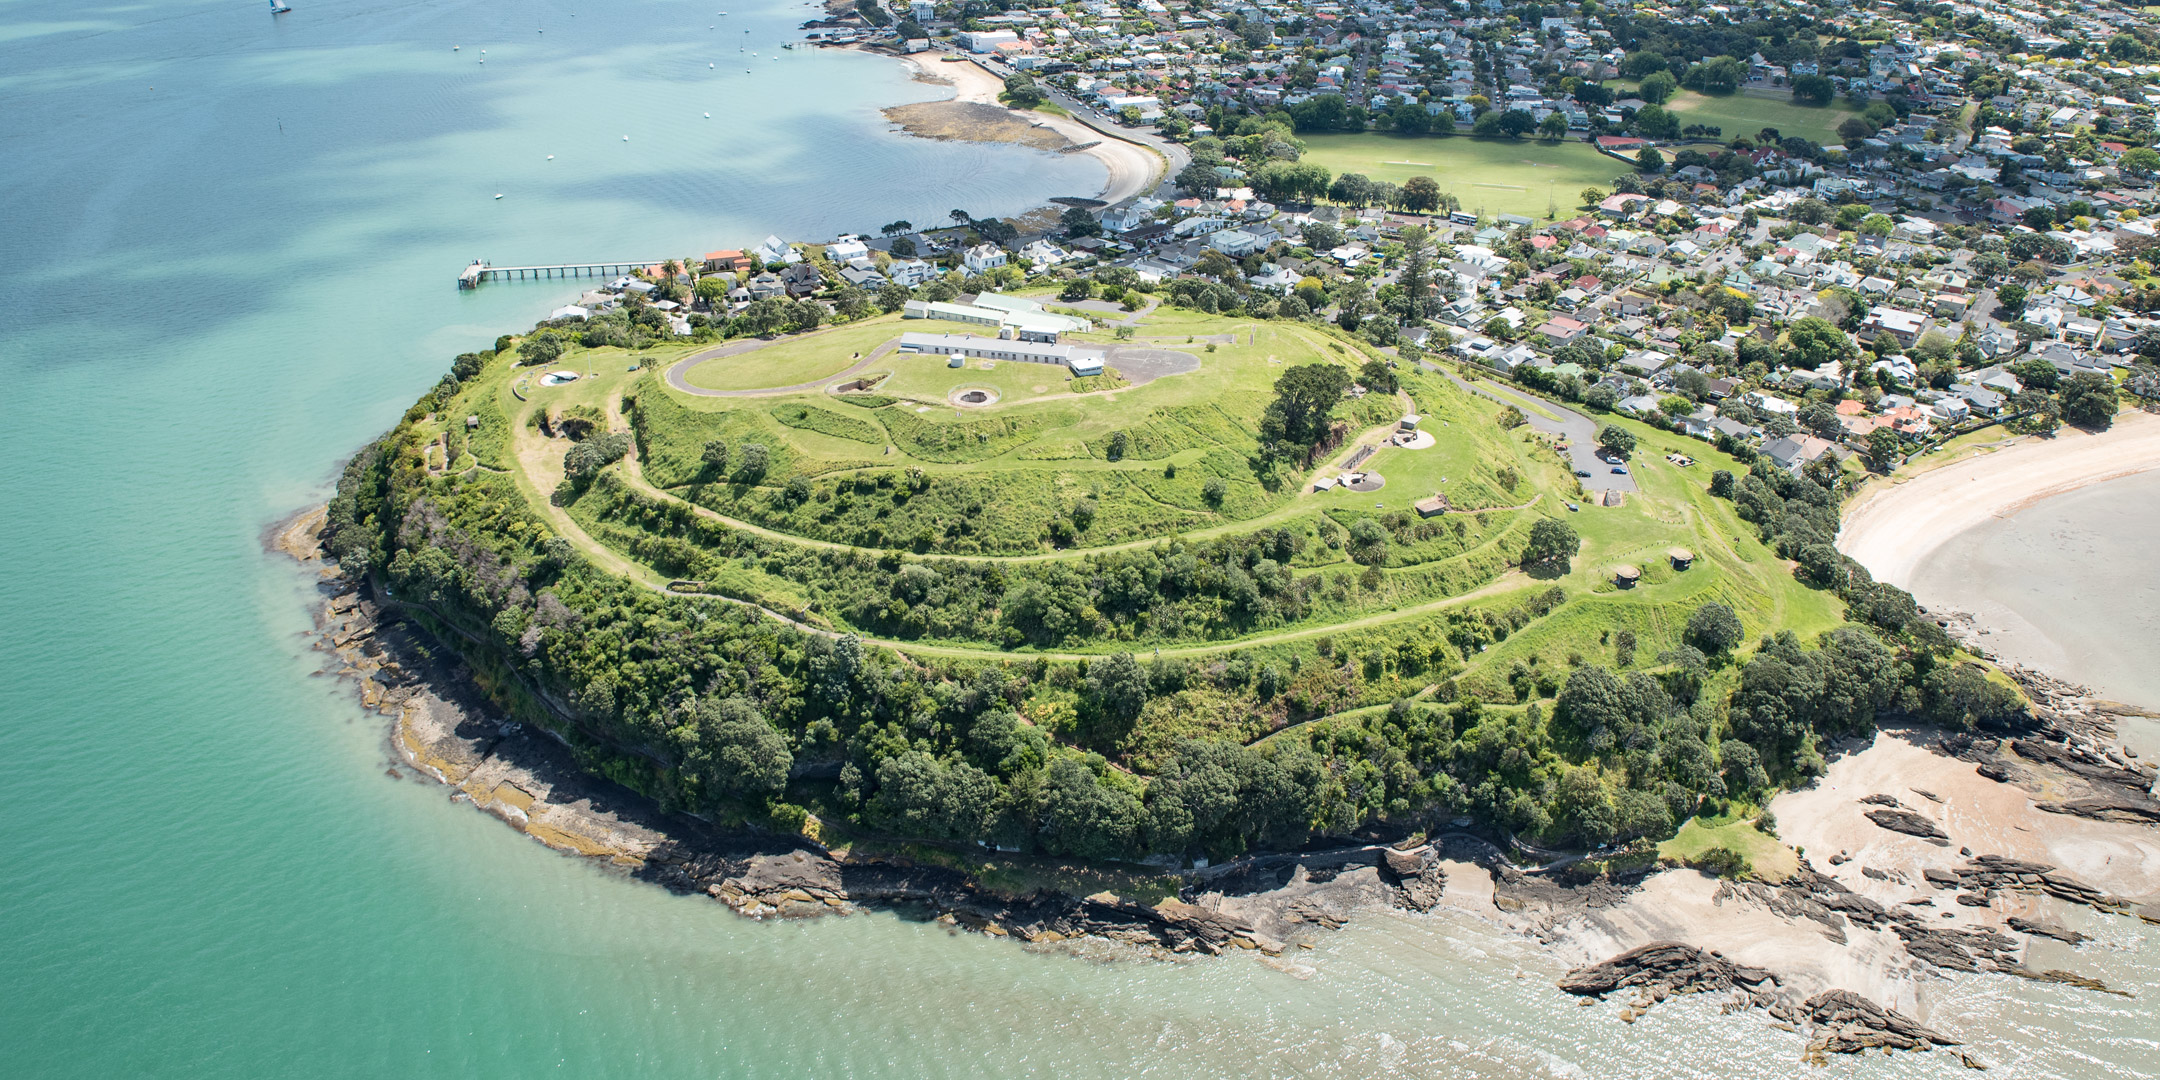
point(443, 729)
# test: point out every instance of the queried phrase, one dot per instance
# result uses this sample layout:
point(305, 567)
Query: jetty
point(481, 270)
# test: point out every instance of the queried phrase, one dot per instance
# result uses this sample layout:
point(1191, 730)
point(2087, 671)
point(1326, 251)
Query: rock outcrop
point(1909, 823)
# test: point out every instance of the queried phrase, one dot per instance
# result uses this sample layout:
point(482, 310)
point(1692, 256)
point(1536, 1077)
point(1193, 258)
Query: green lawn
point(1741, 114)
point(1489, 176)
point(1770, 860)
point(795, 360)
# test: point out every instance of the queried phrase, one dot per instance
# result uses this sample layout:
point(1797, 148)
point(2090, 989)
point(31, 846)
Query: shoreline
point(1841, 954)
point(1896, 524)
point(1132, 168)
point(1897, 529)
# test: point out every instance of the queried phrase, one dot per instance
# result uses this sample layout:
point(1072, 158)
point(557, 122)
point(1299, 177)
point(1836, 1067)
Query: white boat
point(277, 7)
point(498, 194)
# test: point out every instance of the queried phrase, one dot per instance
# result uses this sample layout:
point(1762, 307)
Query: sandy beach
point(1133, 169)
point(1894, 526)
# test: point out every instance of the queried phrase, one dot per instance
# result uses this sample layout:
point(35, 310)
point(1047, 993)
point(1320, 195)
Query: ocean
point(228, 243)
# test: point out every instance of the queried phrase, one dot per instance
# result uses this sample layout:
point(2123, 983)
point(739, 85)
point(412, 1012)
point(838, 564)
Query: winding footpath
point(532, 472)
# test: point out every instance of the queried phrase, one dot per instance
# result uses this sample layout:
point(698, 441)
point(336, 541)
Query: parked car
point(1621, 469)
point(1582, 472)
point(1572, 508)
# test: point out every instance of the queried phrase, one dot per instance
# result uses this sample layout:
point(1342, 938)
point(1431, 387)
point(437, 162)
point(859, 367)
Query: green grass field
point(1767, 858)
point(1741, 114)
point(800, 360)
point(1489, 176)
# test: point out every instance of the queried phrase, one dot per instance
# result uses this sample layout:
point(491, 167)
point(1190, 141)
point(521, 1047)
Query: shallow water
point(2068, 585)
point(208, 872)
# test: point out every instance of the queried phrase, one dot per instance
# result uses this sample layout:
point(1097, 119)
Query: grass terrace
point(1071, 524)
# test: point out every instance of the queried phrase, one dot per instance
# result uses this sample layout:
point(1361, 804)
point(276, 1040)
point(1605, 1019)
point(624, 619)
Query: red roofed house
point(1560, 330)
point(727, 262)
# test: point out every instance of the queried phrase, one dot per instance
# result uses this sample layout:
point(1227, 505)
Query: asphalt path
point(678, 373)
point(1580, 432)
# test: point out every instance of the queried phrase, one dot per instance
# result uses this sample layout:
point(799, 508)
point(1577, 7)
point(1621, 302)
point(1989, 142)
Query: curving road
point(677, 373)
point(1580, 432)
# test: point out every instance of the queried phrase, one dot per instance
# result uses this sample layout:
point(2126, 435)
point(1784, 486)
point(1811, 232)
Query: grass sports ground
point(1500, 176)
point(898, 476)
point(1746, 114)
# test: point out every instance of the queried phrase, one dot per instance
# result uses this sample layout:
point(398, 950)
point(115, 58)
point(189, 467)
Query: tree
point(1815, 90)
point(1368, 542)
point(1553, 127)
point(2141, 160)
point(2037, 413)
point(1852, 129)
point(715, 457)
point(1721, 483)
point(1714, 629)
point(1551, 546)
point(1079, 223)
point(1377, 377)
point(1648, 160)
point(1305, 400)
point(1516, 123)
point(1420, 193)
point(1658, 87)
point(1616, 440)
point(1591, 196)
point(1351, 189)
point(1021, 92)
point(540, 349)
point(1198, 178)
point(1813, 341)
point(730, 748)
point(755, 460)
point(2011, 298)
point(1821, 418)
point(1118, 686)
point(1884, 448)
point(2088, 400)
point(1652, 122)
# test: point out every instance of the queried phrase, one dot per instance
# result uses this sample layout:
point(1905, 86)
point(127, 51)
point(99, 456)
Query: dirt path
point(634, 474)
point(537, 464)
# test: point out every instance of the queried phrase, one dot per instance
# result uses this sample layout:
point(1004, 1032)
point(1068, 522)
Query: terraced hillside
point(1091, 589)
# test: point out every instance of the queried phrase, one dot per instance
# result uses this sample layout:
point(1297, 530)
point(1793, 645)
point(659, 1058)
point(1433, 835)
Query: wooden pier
point(481, 270)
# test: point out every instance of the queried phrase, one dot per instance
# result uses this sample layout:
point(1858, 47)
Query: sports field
point(1490, 176)
point(1741, 114)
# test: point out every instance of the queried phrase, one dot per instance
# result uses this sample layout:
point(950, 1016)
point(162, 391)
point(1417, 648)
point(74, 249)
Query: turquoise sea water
point(204, 870)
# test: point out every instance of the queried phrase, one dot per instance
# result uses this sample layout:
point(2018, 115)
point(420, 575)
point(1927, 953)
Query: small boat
point(551, 157)
point(708, 116)
point(278, 7)
point(498, 194)
point(626, 138)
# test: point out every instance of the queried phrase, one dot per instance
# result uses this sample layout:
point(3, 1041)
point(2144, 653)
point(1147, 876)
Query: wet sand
point(2044, 543)
point(2066, 585)
point(1132, 168)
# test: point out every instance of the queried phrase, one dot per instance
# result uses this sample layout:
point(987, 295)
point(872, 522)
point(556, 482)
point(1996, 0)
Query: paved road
point(1580, 432)
point(677, 373)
